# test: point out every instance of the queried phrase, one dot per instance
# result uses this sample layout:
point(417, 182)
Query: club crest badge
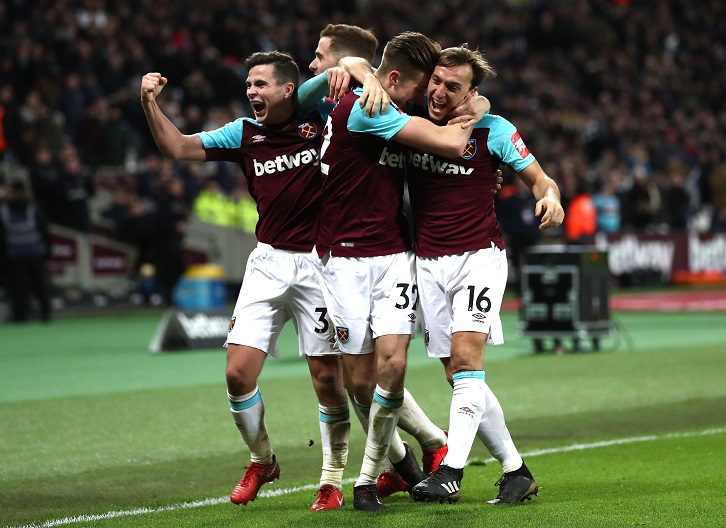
point(470, 149)
point(308, 130)
point(426, 337)
point(231, 323)
point(342, 333)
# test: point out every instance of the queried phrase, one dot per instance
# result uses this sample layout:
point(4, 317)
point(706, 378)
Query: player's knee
point(239, 382)
point(362, 390)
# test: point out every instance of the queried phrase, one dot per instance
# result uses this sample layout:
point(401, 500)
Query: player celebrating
point(338, 41)
point(462, 271)
point(279, 154)
point(366, 267)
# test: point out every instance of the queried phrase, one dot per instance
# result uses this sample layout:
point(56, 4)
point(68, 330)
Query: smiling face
point(447, 88)
point(271, 101)
point(324, 57)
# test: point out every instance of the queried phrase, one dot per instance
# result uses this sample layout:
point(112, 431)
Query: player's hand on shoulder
point(374, 98)
point(476, 106)
point(338, 83)
point(551, 212)
point(151, 85)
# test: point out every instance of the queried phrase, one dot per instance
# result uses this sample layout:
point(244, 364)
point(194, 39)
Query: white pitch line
point(309, 487)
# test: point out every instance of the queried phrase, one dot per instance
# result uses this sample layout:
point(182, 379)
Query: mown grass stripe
point(308, 487)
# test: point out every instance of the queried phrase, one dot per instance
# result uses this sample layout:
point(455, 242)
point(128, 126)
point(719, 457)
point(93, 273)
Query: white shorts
point(278, 286)
point(369, 297)
point(461, 293)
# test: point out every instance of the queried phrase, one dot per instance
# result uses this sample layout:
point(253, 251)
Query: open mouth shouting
point(259, 108)
point(438, 108)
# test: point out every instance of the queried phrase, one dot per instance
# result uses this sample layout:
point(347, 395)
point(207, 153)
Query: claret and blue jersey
point(363, 174)
point(282, 166)
point(452, 200)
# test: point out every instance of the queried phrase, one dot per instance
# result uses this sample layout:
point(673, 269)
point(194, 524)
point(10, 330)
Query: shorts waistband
point(269, 249)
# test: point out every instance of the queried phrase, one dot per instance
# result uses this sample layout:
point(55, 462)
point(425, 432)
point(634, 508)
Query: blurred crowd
point(620, 101)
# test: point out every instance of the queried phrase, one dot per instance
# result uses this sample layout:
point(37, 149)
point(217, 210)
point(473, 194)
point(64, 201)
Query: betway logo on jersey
point(285, 162)
point(392, 159)
point(427, 162)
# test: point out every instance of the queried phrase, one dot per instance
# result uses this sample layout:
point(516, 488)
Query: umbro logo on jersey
point(285, 161)
point(308, 130)
point(258, 138)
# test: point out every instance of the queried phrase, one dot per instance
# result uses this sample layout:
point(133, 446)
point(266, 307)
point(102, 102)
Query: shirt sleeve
point(310, 93)
point(228, 136)
point(505, 142)
point(382, 125)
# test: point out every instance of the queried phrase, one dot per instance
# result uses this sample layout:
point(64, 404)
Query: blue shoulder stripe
point(228, 136)
point(501, 142)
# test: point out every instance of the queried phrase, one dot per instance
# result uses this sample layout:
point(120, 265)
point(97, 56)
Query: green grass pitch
point(96, 431)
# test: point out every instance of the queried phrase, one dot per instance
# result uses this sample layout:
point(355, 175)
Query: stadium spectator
point(607, 207)
point(596, 87)
point(170, 225)
point(581, 218)
point(24, 249)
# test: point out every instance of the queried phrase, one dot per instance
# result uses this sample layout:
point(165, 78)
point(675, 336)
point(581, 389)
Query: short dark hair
point(409, 53)
point(351, 41)
point(460, 55)
point(286, 69)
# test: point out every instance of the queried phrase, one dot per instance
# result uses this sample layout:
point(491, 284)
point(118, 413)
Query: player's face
point(324, 58)
point(447, 89)
point(266, 95)
point(411, 90)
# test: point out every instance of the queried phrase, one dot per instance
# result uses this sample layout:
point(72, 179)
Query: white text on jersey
point(392, 159)
point(431, 163)
point(284, 162)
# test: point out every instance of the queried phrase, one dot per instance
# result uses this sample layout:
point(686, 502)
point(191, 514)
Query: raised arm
point(448, 141)
point(546, 192)
point(171, 142)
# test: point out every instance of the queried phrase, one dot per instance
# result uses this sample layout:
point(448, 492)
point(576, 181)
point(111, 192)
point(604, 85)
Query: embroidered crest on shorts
point(231, 323)
point(470, 149)
point(307, 130)
point(342, 333)
point(426, 337)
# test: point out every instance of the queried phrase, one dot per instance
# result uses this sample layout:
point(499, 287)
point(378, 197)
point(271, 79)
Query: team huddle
point(327, 163)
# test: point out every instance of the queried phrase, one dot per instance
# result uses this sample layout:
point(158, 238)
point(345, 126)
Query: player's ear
point(394, 76)
point(289, 89)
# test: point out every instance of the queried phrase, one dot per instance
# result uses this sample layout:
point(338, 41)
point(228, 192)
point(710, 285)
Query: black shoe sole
point(420, 496)
point(527, 496)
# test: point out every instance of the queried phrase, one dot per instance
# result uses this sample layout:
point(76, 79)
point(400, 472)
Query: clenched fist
point(151, 86)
